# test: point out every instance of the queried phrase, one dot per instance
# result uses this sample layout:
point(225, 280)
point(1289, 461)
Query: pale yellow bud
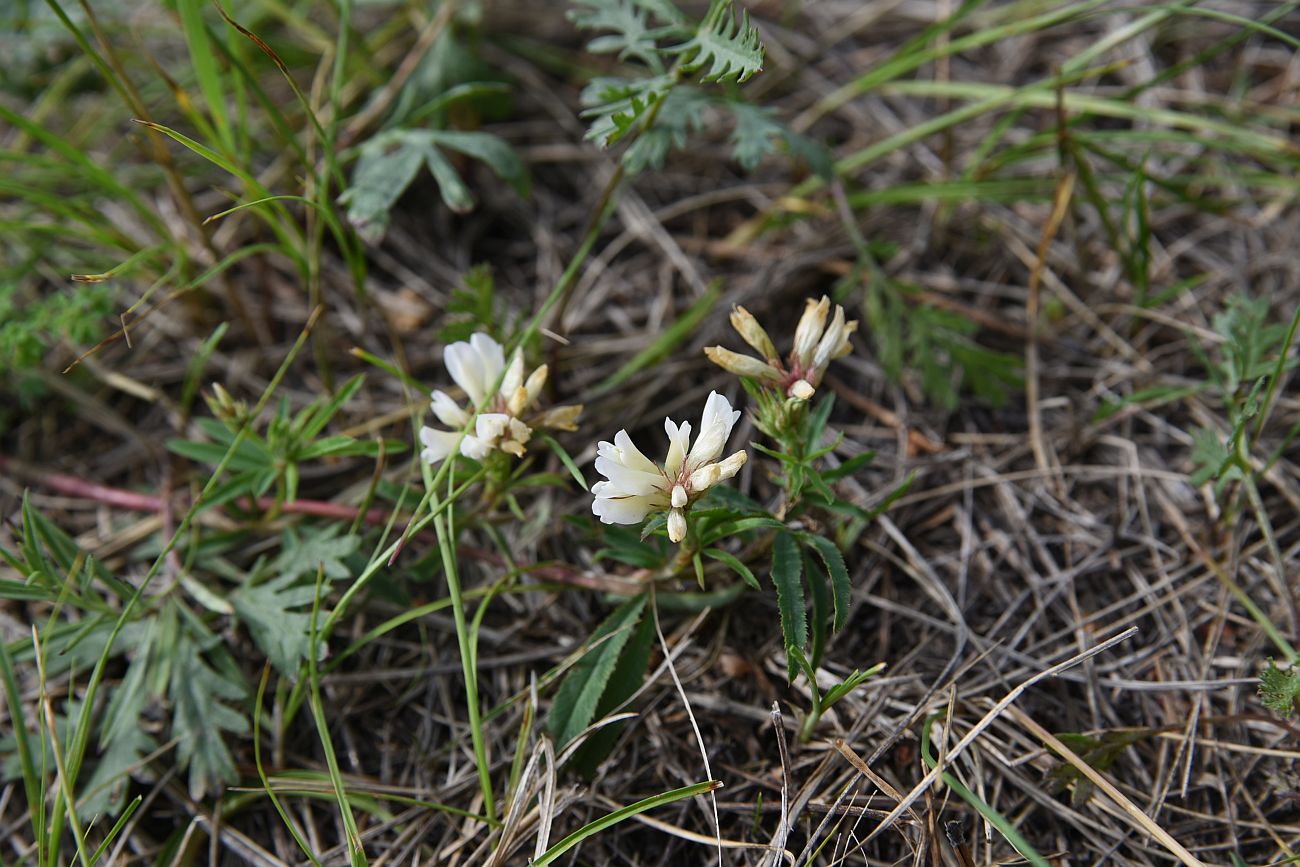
point(741, 365)
point(729, 467)
point(676, 526)
point(801, 390)
point(536, 380)
point(752, 333)
point(514, 376)
point(704, 478)
point(559, 418)
point(518, 401)
point(809, 331)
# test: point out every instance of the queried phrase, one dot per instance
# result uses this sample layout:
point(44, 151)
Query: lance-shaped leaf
point(787, 572)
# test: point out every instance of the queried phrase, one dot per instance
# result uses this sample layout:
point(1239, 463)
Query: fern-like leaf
point(614, 105)
point(631, 35)
point(728, 46)
point(1280, 690)
point(199, 716)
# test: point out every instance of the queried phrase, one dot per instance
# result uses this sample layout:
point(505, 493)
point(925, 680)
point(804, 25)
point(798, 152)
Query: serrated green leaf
point(614, 105)
point(819, 593)
point(787, 569)
point(579, 696)
point(833, 560)
point(1280, 690)
point(727, 45)
point(627, 678)
point(631, 36)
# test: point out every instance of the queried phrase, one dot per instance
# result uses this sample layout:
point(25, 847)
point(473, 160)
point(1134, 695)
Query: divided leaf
point(1280, 690)
point(614, 105)
point(631, 36)
point(303, 555)
point(199, 717)
point(281, 632)
point(727, 45)
point(390, 161)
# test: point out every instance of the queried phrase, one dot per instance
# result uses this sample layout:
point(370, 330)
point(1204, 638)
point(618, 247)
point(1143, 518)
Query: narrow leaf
point(787, 567)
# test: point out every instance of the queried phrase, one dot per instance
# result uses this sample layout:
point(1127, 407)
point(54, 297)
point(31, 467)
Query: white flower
point(476, 366)
point(816, 344)
point(635, 486)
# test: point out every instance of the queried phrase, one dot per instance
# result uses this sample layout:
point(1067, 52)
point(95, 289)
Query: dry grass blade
point(1140, 819)
point(928, 780)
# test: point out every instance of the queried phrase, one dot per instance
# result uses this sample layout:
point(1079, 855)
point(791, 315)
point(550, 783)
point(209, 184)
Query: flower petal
point(474, 447)
point(466, 368)
point(514, 377)
point(631, 456)
point(679, 440)
point(752, 333)
point(676, 526)
point(491, 425)
point(622, 510)
point(447, 411)
point(437, 443)
point(492, 355)
point(715, 427)
point(629, 481)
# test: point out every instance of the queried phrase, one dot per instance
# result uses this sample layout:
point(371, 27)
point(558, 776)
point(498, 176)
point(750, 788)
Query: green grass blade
point(611, 819)
point(668, 340)
point(205, 69)
point(994, 818)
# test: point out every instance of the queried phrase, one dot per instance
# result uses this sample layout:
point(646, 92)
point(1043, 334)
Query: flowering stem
point(468, 660)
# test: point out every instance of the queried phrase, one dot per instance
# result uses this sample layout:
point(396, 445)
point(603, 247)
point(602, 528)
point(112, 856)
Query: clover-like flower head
point(504, 418)
point(816, 344)
point(635, 486)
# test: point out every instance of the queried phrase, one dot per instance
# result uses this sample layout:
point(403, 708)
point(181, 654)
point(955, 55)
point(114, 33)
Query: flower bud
point(679, 498)
point(676, 526)
point(232, 412)
point(752, 333)
point(809, 331)
point(705, 477)
point(801, 390)
point(732, 465)
point(741, 365)
point(559, 418)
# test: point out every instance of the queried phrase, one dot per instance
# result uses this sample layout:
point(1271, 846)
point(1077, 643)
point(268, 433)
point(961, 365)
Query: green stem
point(468, 660)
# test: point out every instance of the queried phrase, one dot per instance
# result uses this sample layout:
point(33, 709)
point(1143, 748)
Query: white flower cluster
point(501, 421)
point(636, 486)
point(816, 344)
